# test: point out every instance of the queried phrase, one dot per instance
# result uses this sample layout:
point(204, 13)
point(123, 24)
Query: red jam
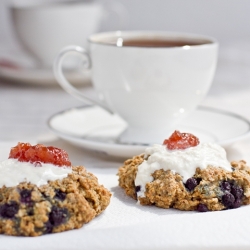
point(25, 152)
point(180, 140)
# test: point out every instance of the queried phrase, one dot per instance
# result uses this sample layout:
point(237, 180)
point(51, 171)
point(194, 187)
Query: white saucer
point(18, 66)
point(39, 76)
point(93, 128)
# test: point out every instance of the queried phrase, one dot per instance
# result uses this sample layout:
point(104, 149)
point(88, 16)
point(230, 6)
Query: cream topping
point(183, 162)
point(13, 172)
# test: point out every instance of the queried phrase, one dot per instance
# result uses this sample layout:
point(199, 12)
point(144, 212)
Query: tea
point(157, 42)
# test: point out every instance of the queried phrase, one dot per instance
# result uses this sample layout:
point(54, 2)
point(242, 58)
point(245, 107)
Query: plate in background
point(93, 128)
point(37, 76)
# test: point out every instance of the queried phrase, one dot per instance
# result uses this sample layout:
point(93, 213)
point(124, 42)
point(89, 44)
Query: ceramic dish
point(39, 76)
point(93, 128)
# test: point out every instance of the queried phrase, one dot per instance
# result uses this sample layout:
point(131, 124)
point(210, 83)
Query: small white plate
point(93, 128)
point(40, 76)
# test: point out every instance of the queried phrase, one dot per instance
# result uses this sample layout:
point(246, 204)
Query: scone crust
point(58, 206)
point(167, 189)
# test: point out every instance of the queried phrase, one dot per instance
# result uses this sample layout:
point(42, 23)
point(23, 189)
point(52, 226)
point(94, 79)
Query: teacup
point(153, 80)
point(43, 28)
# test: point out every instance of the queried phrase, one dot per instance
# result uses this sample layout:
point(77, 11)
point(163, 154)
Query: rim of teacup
point(115, 38)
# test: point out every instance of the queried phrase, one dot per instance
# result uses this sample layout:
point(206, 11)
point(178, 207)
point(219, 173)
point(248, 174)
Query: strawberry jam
point(181, 141)
point(25, 152)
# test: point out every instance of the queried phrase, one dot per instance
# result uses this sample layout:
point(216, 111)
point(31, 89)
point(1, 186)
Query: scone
point(41, 193)
point(186, 175)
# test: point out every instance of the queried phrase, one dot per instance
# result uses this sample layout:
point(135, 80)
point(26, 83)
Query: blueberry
point(25, 195)
point(9, 210)
point(225, 186)
point(198, 180)
point(58, 215)
point(237, 191)
point(191, 183)
point(202, 208)
point(137, 189)
point(228, 200)
point(60, 195)
point(30, 211)
point(237, 203)
point(48, 227)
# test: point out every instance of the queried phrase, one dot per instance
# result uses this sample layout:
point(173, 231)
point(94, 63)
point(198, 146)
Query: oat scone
point(61, 198)
point(212, 184)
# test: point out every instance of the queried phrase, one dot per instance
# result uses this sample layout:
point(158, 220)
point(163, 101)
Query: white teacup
point(43, 28)
point(151, 79)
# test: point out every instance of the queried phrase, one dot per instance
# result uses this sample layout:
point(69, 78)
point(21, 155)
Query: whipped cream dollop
point(13, 172)
point(183, 162)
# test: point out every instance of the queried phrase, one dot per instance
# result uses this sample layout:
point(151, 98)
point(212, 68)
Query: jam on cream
point(13, 172)
point(183, 162)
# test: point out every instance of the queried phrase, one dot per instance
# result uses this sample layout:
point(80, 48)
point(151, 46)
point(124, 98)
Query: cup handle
point(65, 84)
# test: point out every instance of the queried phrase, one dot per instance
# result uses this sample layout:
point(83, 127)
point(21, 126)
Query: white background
point(227, 20)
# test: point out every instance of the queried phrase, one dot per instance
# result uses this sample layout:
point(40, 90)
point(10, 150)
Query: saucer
point(40, 76)
point(93, 128)
point(18, 66)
